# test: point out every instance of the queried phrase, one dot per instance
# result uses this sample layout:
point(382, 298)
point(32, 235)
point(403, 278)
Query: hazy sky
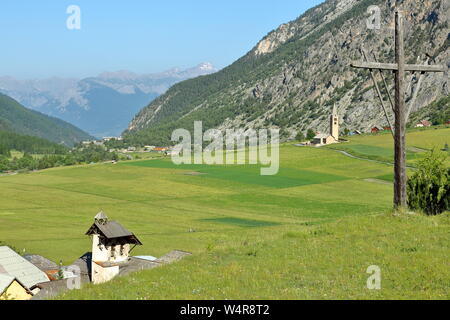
point(138, 35)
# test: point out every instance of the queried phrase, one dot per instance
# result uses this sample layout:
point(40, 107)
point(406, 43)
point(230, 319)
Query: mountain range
point(102, 105)
point(294, 76)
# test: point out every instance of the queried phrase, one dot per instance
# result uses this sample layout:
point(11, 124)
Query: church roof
point(113, 230)
point(322, 136)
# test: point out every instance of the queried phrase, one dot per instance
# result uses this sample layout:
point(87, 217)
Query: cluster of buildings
point(332, 137)
point(35, 277)
point(423, 124)
point(131, 149)
point(101, 142)
point(420, 124)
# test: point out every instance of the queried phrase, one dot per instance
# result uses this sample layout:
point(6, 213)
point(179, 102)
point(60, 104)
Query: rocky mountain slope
point(102, 105)
point(20, 120)
point(292, 78)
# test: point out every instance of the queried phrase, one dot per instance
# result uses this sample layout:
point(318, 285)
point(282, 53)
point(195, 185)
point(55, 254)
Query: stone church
point(333, 136)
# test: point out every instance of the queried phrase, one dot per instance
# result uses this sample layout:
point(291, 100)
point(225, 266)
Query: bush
point(310, 134)
point(429, 187)
point(446, 148)
point(300, 136)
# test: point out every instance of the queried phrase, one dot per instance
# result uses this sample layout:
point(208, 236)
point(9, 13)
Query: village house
point(172, 152)
point(13, 289)
point(423, 123)
point(107, 139)
point(355, 133)
point(149, 148)
point(333, 137)
point(111, 247)
point(19, 276)
point(376, 130)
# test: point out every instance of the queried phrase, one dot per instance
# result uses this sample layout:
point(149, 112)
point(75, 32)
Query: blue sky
point(138, 35)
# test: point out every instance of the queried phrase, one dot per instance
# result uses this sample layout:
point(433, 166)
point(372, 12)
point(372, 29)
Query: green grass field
point(310, 232)
point(381, 146)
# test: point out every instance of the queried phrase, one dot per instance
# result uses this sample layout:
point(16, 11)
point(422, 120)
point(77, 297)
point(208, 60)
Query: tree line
point(41, 154)
point(34, 145)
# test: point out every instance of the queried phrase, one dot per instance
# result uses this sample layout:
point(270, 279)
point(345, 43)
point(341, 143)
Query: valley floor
point(310, 232)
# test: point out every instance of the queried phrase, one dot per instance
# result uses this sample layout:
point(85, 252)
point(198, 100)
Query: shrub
point(300, 136)
point(429, 187)
point(446, 148)
point(310, 134)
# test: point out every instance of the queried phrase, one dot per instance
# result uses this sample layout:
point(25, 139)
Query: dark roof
point(52, 289)
point(113, 230)
point(41, 262)
point(135, 264)
point(84, 263)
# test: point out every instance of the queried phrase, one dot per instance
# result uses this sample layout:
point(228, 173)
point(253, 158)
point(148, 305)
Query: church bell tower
point(334, 124)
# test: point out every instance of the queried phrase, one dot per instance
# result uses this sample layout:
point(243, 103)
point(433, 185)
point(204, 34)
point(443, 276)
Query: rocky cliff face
point(294, 76)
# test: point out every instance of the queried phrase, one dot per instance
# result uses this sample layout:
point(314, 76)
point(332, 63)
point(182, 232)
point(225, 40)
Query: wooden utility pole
point(400, 196)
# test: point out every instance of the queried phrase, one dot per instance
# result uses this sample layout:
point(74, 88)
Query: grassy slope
point(255, 238)
point(380, 146)
point(304, 262)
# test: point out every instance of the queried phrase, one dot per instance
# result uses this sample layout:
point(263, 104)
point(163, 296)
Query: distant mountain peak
point(207, 66)
point(204, 67)
point(101, 105)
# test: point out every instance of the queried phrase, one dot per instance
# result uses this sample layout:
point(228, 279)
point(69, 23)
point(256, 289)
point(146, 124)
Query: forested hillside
point(16, 118)
point(292, 78)
point(438, 112)
point(12, 141)
point(23, 153)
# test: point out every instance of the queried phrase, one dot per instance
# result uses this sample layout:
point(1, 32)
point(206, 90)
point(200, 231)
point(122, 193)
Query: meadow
point(381, 146)
point(310, 232)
